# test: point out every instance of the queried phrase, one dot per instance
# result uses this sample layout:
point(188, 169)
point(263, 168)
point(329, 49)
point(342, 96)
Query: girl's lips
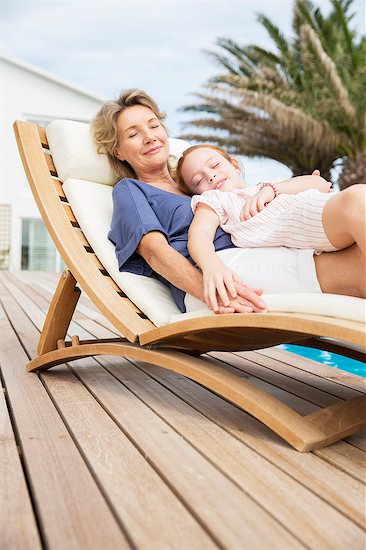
point(220, 183)
point(153, 150)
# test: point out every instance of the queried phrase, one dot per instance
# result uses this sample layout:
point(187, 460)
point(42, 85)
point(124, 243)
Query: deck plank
point(18, 528)
point(162, 458)
point(68, 502)
point(318, 369)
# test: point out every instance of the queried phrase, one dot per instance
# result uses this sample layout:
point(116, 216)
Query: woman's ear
point(118, 155)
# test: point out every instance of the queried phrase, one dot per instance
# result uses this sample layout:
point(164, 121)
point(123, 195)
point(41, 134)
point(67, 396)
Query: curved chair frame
point(177, 345)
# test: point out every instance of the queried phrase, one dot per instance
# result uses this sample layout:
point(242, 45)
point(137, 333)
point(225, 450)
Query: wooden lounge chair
point(176, 343)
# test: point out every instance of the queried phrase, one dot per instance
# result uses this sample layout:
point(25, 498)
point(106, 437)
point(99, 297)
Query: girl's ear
point(236, 164)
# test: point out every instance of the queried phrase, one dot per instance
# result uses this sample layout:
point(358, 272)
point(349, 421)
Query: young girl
point(297, 213)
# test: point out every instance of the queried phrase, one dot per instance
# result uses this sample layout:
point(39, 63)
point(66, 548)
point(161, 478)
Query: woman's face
point(142, 140)
point(204, 169)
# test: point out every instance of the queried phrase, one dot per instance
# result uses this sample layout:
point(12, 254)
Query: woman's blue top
point(139, 208)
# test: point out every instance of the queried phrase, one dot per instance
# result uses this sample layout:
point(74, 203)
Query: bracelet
point(268, 184)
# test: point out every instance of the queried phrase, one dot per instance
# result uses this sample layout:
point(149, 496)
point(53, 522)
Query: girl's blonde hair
point(178, 171)
point(104, 127)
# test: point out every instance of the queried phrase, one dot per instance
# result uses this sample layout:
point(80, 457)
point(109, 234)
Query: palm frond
point(330, 71)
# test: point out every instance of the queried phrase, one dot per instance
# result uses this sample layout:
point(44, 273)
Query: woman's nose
point(149, 136)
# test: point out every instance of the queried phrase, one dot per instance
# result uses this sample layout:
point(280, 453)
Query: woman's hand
point(248, 300)
point(258, 202)
point(224, 292)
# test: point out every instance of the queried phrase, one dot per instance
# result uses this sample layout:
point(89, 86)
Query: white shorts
point(274, 270)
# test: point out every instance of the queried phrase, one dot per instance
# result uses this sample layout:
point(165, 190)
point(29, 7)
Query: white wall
point(27, 94)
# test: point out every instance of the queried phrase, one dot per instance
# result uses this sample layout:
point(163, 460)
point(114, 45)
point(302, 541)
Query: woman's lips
point(153, 150)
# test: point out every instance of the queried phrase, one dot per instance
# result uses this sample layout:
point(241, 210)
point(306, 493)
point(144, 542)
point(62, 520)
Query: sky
point(104, 46)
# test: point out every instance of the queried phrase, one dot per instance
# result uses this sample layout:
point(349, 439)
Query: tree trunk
point(354, 171)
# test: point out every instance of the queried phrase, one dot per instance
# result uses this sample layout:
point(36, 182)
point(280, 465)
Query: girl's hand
point(219, 283)
point(257, 203)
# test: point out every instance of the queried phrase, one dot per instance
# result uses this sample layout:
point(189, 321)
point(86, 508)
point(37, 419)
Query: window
point(5, 215)
point(38, 250)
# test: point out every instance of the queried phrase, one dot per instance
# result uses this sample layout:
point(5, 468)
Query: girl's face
point(204, 169)
point(142, 140)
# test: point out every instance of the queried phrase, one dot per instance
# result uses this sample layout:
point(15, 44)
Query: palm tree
point(302, 104)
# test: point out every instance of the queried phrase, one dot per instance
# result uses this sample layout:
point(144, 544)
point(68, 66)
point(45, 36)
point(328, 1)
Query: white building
point(28, 93)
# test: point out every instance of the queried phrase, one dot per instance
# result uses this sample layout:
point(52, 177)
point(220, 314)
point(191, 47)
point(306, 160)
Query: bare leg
point(344, 218)
point(342, 272)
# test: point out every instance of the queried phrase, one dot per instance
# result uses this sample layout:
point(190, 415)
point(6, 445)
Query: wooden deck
point(106, 453)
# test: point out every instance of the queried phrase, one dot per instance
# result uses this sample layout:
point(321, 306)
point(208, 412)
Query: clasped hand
point(224, 292)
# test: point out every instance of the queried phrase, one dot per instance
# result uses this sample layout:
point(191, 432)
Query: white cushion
point(75, 155)
point(331, 305)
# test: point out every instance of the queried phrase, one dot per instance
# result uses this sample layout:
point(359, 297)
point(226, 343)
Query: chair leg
point(60, 313)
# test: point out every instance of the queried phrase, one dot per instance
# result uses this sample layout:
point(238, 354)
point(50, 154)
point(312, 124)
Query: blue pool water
point(331, 359)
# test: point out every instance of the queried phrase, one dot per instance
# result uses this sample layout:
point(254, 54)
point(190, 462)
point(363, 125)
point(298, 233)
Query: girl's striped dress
point(294, 221)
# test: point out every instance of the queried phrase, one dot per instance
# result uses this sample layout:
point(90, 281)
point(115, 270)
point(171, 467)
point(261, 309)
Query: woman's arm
point(169, 263)
point(291, 186)
point(218, 280)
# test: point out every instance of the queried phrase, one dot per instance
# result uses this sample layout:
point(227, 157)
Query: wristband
point(268, 184)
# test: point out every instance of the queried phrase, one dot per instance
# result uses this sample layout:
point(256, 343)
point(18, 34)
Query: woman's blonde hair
point(178, 172)
point(104, 127)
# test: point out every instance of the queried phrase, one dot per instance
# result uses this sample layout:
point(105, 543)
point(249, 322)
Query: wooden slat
point(96, 261)
point(245, 331)
point(50, 164)
point(58, 185)
point(80, 235)
point(337, 376)
point(70, 214)
point(18, 528)
point(42, 136)
point(68, 500)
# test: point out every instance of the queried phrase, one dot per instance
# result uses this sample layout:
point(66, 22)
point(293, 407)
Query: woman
point(151, 218)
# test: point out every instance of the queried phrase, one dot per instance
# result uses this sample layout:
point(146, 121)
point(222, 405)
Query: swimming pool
point(331, 359)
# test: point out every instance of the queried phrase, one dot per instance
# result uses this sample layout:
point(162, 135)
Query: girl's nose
point(212, 178)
